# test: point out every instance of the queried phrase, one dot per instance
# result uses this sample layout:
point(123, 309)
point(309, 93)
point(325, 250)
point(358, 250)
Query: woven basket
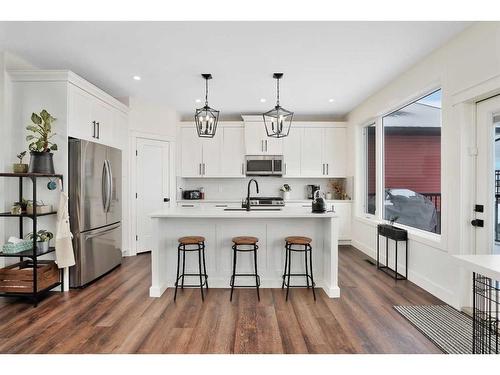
point(14, 248)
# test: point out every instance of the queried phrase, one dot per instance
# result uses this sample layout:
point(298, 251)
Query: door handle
point(477, 223)
point(166, 199)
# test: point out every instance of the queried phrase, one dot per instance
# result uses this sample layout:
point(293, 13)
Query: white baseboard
point(423, 282)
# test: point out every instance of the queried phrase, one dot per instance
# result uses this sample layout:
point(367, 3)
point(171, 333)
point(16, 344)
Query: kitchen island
point(218, 226)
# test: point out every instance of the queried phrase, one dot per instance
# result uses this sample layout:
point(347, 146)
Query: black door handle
point(166, 199)
point(477, 223)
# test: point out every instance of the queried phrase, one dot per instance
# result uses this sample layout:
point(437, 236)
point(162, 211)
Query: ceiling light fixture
point(331, 100)
point(198, 100)
point(206, 118)
point(136, 78)
point(263, 100)
point(278, 120)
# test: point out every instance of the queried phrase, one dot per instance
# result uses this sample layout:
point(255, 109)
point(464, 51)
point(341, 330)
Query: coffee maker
point(311, 189)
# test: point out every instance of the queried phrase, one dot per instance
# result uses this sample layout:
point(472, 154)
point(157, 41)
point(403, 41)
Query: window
point(412, 164)
point(370, 169)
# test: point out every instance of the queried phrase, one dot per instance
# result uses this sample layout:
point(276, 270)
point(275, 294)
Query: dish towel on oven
point(64, 245)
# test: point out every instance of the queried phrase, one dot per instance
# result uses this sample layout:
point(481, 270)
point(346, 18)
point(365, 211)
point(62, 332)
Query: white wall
point(468, 60)
point(153, 118)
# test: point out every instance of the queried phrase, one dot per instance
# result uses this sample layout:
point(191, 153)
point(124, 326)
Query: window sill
point(430, 239)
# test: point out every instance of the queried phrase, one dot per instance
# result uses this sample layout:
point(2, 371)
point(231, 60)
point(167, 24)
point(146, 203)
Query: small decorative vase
point(20, 168)
point(42, 245)
point(286, 195)
point(41, 162)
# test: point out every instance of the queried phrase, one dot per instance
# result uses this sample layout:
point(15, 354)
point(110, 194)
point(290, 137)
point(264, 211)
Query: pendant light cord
point(206, 92)
point(277, 92)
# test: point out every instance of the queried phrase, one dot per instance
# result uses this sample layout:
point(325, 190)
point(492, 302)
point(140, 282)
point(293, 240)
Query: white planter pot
point(286, 195)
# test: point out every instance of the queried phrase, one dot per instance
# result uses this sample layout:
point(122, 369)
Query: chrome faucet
point(248, 191)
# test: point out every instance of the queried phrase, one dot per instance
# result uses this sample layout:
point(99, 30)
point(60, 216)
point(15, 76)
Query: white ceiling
point(345, 61)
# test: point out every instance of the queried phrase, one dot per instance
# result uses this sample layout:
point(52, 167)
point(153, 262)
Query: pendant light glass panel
point(206, 118)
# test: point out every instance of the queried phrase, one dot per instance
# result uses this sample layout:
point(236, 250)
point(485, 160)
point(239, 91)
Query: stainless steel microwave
point(264, 165)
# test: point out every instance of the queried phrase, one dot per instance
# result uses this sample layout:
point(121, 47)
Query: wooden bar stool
point(302, 245)
point(193, 243)
point(245, 244)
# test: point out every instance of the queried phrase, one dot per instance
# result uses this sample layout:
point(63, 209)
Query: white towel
point(65, 256)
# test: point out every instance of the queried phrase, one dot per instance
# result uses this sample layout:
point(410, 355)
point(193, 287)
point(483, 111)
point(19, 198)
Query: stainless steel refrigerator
point(95, 201)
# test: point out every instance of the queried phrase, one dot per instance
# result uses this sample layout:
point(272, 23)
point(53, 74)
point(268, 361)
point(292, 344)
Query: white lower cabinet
point(343, 210)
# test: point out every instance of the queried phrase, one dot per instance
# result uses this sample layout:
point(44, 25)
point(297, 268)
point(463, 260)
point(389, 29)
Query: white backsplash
point(236, 188)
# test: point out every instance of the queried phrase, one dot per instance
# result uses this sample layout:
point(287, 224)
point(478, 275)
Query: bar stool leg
point(286, 262)
point(289, 267)
point(183, 264)
point(199, 271)
point(178, 265)
point(234, 272)
point(256, 273)
point(307, 270)
point(205, 267)
point(311, 269)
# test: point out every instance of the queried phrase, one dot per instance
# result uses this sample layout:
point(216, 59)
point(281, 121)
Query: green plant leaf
point(45, 115)
point(30, 137)
point(53, 147)
point(36, 119)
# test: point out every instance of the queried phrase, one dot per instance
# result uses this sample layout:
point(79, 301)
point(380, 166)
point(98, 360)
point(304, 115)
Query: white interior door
point(153, 187)
point(487, 223)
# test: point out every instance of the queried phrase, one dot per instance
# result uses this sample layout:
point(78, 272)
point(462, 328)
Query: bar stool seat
point(298, 240)
point(191, 240)
point(245, 244)
point(245, 240)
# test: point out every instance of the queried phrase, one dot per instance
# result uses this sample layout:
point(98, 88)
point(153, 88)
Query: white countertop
point(486, 265)
point(239, 201)
point(285, 213)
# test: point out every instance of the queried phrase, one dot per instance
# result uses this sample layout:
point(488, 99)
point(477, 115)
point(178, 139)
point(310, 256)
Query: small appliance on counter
point(311, 189)
point(318, 204)
point(192, 194)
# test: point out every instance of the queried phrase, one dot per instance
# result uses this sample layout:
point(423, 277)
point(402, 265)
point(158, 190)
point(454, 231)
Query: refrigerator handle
point(109, 185)
point(104, 188)
point(98, 233)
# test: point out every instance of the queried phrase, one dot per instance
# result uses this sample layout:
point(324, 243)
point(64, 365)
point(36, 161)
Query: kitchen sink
point(253, 209)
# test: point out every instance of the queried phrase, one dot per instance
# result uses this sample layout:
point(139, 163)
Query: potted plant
point(43, 238)
point(20, 167)
point(41, 144)
point(286, 189)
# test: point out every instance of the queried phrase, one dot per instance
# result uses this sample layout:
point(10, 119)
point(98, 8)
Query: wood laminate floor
point(116, 315)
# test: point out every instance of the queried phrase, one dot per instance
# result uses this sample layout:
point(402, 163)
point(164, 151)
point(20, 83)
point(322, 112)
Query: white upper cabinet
point(191, 153)
point(334, 151)
point(292, 152)
point(312, 152)
point(258, 143)
point(233, 154)
point(211, 163)
point(90, 118)
point(80, 118)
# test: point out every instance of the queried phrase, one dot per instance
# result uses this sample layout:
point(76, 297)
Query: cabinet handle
point(285, 168)
point(188, 205)
point(200, 170)
point(327, 168)
point(221, 205)
point(98, 130)
point(266, 145)
point(323, 171)
point(242, 168)
point(204, 169)
point(93, 129)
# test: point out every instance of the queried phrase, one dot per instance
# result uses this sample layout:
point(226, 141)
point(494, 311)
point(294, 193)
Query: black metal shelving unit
point(33, 254)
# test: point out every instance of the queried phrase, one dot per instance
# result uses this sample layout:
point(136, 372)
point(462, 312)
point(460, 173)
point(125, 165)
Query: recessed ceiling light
point(198, 100)
point(137, 78)
point(331, 100)
point(263, 100)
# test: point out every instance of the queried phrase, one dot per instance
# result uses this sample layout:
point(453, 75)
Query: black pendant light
point(206, 118)
point(278, 120)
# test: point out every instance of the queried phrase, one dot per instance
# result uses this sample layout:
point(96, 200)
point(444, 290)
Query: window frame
point(364, 132)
